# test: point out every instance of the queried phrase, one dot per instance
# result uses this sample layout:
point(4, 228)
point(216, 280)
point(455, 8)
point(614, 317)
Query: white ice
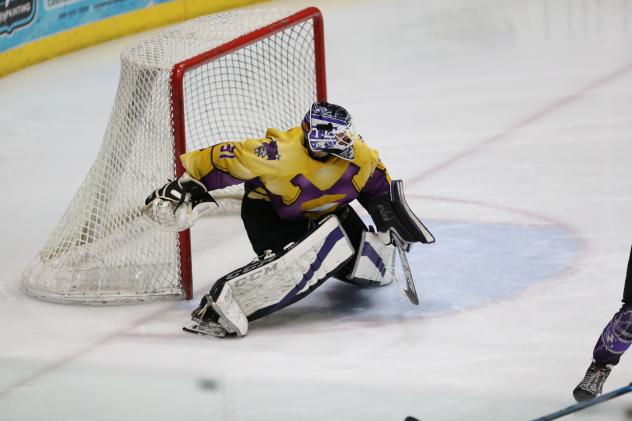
point(511, 125)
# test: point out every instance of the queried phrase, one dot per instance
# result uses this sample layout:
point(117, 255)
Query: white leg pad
point(273, 283)
point(375, 261)
point(231, 317)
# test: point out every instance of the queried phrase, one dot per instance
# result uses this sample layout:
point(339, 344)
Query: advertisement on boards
point(24, 21)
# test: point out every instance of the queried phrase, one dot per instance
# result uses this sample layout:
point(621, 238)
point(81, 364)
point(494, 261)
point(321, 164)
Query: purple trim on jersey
point(376, 185)
point(218, 179)
point(309, 191)
point(375, 258)
point(328, 245)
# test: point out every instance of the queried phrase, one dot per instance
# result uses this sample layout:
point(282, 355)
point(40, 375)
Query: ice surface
point(510, 123)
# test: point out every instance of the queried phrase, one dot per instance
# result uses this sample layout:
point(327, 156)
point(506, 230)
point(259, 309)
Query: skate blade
point(196, 328)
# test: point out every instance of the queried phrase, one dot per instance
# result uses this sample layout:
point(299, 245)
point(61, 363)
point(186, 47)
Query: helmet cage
point(328, 129)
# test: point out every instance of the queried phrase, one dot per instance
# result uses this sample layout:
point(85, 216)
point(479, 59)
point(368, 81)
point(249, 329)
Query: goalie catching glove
point(176, 206)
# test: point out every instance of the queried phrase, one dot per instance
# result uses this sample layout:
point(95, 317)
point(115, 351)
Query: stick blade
point(410, 291)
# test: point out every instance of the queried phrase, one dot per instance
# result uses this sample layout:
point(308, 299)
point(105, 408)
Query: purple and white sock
point(615, 339)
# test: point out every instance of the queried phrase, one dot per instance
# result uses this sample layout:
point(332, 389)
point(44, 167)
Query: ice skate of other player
point(614, 340)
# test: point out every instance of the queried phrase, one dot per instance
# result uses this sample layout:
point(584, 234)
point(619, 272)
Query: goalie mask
point(327, 128)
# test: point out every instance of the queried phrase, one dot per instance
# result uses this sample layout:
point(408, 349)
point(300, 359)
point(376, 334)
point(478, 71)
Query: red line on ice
point(475, 149)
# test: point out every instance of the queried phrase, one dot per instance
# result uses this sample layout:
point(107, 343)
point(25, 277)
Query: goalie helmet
point(327, 128)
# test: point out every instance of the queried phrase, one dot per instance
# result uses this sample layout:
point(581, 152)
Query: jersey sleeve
point(229, 163)
point(378, 184)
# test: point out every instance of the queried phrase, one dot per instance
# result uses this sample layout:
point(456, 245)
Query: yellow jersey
point(280, 170)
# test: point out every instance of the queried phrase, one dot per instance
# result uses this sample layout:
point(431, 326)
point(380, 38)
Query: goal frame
point(178, 73)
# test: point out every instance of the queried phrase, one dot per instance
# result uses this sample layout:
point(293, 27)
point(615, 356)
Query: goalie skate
point(218, 318)
point(206, 329)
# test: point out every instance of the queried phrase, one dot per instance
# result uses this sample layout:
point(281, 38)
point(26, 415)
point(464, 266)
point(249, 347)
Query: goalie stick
point(585, 404)
point(409, 291)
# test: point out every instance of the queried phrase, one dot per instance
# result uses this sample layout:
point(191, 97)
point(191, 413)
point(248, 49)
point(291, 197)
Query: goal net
point(221, 77)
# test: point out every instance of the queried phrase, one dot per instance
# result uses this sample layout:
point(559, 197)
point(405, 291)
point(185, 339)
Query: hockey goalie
point(298, 185)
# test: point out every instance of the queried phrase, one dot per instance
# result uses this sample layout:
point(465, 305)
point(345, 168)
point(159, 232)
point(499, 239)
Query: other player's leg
point(614, 340)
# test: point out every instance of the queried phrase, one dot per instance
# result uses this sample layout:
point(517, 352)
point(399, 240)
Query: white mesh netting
point(102, 251)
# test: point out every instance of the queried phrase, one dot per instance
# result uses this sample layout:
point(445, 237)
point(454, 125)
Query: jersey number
point(227, 151)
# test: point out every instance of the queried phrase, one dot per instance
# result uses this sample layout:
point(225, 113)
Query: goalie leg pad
point(268, 285)
point(218, 316)
point(205, 320)
point(231, 317)
point(374, 263)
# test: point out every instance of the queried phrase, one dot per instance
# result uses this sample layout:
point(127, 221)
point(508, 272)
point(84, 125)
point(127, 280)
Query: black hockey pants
point(627, 290)
point(267, 231)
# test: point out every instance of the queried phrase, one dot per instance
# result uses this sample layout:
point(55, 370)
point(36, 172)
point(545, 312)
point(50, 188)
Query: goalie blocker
point(391, 214)
point(399, 227)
